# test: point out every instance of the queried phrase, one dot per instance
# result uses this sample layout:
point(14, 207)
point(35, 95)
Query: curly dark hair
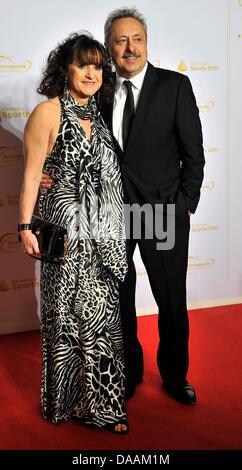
point(88, 51)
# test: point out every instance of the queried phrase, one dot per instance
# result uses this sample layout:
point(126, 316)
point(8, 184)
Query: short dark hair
point(81, 46)
point(123, 13)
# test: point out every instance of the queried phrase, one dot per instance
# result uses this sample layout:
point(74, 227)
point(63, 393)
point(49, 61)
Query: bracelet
point(24, 227)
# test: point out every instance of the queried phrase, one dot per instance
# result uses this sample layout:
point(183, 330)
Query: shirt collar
point(137, 80)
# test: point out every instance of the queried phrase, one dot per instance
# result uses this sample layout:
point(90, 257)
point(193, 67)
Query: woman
point(82, 354)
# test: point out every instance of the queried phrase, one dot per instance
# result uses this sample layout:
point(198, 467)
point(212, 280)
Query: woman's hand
point(30, 243)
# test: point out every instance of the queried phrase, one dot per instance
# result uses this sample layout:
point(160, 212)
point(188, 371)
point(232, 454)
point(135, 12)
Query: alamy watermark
point(93, 220)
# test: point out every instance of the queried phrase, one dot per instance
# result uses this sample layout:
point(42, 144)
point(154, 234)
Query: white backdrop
point(202, 39)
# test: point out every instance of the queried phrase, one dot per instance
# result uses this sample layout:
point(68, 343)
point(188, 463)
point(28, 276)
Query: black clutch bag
point(52, 240)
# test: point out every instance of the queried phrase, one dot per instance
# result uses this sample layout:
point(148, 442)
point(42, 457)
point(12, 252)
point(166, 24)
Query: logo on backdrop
point(9, 156)
point(11, 201)
point(14, 113)
point(195, 263)
point(240, 3)
point(196, 67)
point(13, 65)
point(205, 105)
point(156, 63)
point(9, 243)
point(141, 271)
point(198, 263)
point(182, 67)
point(208, 149)
point(3, 286)
point(207, 187)
point(204, 228)
point(19, 284)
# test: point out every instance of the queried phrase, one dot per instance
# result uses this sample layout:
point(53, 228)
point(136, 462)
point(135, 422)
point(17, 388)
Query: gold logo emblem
point(204, 228)
point(208, 186)
point(9, 156)
point(205, 105)
point(156, 63)
point(3, 286)
point(13, 64)
point(141, 272)
point(182, 67)
point(197, 263)
point(208, 148)
point(9, 243)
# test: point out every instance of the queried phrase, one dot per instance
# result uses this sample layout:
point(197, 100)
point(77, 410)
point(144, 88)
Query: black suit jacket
point(164, 155)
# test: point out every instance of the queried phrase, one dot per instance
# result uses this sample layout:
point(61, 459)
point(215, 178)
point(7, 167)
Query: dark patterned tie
point(128, 112)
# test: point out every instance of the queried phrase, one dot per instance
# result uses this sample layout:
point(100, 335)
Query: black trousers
point(166, 270)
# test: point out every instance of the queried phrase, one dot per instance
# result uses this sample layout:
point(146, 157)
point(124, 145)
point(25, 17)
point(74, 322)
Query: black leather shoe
point(184, 394)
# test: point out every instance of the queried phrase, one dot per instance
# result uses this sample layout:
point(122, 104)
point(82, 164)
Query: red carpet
point(156, 421)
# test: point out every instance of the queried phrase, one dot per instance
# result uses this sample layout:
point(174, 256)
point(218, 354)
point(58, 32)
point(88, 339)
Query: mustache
point(130, 54)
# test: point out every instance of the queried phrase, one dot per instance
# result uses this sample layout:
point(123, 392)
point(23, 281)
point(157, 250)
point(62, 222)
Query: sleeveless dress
point(82, 344)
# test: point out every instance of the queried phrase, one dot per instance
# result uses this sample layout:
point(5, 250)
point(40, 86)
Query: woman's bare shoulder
point(49, 106)
point(45, 114)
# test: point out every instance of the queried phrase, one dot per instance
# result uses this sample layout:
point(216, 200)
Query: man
point(161, 158)
point(162, 162)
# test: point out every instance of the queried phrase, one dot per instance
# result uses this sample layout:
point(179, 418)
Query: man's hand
point(45, 182)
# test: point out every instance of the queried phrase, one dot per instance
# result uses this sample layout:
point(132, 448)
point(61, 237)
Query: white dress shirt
point(120, 98)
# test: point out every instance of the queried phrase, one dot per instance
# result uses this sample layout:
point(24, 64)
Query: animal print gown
point(82, 349)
